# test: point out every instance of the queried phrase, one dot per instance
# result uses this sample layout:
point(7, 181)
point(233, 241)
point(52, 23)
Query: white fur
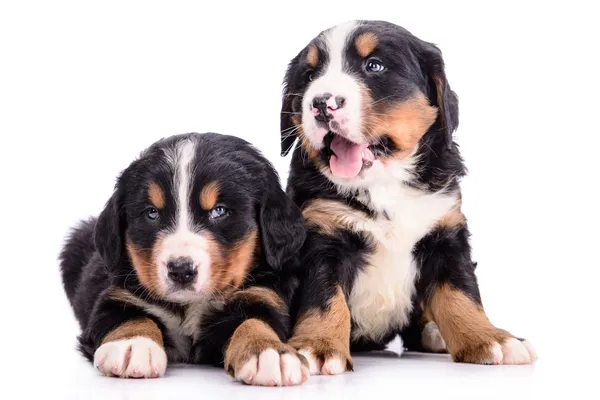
point(272, 369)
point(337, 82)
point(382, 293)
point(432, 339)
point(184, 240)
point(331, 366)
point(313, 364)
point(138, 357)
point(512, 352)
point(516, 352)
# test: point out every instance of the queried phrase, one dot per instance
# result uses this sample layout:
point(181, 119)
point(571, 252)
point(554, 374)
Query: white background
point(84, 87)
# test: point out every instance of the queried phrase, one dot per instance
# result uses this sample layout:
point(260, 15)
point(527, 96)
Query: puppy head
point(193, 215)
point(361, 96)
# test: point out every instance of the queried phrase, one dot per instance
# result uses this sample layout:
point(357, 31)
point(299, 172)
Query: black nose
point(325, 112)
point(320, 101)
point(181, 270)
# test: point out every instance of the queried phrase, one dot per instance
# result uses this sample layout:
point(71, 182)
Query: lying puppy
point(191, 261)
point(377, 177)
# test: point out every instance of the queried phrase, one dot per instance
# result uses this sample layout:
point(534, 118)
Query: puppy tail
point(76, 253)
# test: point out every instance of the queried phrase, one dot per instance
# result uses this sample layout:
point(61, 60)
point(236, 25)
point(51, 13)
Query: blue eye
point(374, 66)
point(218, 212)
point(151, 213)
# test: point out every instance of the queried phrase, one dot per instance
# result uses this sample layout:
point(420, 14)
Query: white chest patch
point(380, 299)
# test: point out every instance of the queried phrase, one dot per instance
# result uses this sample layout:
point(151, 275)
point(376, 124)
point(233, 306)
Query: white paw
point(331, 366)
point(272, 369)
point(431, 338)
point(516, 352)
point(138, 357)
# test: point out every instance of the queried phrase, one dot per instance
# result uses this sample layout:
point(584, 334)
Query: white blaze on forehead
point(336, 81)
point(336, 40)
point(183, 240)
point(185, 157)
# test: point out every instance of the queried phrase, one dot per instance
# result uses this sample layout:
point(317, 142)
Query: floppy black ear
point(288, 128)
point(110, 230)
point(440, 93)
point(281, 224)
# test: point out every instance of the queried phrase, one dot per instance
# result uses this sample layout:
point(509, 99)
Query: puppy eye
point(310, 75)
point(151, 213)
point(218, 212)
point(374, 66)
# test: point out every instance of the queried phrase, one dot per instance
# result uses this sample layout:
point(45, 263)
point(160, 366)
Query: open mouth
point(346, 158)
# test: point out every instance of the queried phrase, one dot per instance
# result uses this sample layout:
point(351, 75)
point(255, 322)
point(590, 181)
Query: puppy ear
point(440, 93)
point(288, 127)
point(281, 225)
point(110, 229)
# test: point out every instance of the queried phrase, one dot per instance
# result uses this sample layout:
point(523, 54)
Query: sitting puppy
point(377, 177)
point(191, 261)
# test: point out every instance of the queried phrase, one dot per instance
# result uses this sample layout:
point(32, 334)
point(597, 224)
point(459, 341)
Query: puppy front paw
point(256, 356)
point(498, 349)
point(271, 367)
point(325, 356)
point(138, 357)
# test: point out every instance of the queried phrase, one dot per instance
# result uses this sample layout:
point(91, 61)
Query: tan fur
point(145, 266)
point(156, 196)
point(405, 123)
point(230, 269)
point(209, 196)
point(454, 218)
point(261, 295)
point(242, 257)
point(331, 215)
point(312, 57)
point(463, 324)
point(366, 43)
point(251, 338)
point(439, 85)
point(142, 327)
point(325, 334)
point(313, 154)
point(122, 295)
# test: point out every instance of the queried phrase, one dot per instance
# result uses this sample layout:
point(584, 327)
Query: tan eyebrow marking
point(365, 43)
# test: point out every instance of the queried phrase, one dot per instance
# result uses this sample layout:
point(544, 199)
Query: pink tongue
point(347, 161)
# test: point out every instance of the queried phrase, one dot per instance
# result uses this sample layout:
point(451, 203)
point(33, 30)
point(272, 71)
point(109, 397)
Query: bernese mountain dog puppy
point(376, 174)
point(191, 261)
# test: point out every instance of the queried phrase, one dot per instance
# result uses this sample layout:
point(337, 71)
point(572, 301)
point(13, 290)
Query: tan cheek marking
point(366, 43)
point(156, 195)
point(463, 324)
point(143, 327)
point(327, 333)
point(312, 57)
point(313, 154)
point(209, 196)
point(242, 258)
point(261, 295)
point(228, 272)
point(145, 267)
point(404, 123)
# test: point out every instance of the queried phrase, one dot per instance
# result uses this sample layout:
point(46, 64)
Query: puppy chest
point(182, 331)
point(381, 297)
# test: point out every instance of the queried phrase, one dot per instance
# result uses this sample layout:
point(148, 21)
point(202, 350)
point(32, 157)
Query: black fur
point(95, 260)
